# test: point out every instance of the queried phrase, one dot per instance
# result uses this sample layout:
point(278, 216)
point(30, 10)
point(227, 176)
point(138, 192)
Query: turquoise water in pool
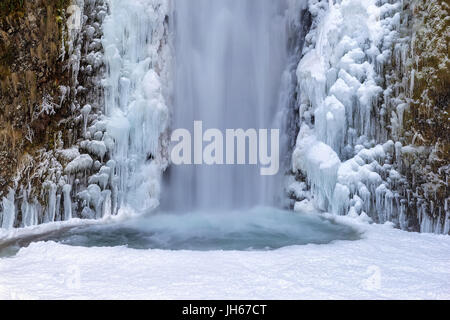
point(255, 229)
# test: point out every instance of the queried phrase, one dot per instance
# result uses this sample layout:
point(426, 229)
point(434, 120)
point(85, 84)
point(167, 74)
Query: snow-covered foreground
point(386, 264)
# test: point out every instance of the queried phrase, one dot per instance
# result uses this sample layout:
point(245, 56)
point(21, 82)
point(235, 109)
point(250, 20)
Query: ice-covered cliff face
point(100, 143)
point(53, 73)
point(356, 86)
point(364, 99)
point(137, 86)
point(120, 153)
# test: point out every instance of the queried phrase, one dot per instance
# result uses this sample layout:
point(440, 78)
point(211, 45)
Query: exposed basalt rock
point(417, 112)
point(427, 122)
point(31, 73)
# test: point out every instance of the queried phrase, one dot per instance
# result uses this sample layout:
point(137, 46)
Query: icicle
point(413, 77)
point(107, 204)
point(85, 112)
point(67, 189)
point(58, 208)
point(8, 215)
point(51, 201)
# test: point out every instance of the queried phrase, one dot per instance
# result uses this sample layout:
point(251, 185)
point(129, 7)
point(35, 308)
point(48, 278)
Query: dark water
point(256, 229)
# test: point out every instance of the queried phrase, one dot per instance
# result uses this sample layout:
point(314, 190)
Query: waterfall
point(230, 57)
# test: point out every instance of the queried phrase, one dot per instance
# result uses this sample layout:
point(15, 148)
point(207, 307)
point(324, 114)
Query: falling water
point(229, 62)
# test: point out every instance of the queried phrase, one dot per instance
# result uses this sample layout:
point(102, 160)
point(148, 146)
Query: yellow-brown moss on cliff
point(426, 122)
point(31, 69)
point(429, 112)
point(12, 7)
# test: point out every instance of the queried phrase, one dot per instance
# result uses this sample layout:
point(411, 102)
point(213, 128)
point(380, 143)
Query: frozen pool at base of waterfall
point(385, 263)
point(260, 228)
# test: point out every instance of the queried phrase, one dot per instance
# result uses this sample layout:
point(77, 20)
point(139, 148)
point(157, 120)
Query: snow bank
point(386, 264)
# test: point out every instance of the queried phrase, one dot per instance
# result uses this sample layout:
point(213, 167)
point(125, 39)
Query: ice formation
point(340, 85)
point(137, 56)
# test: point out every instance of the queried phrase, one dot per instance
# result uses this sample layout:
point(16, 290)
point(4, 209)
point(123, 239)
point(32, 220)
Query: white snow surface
point(386, 264)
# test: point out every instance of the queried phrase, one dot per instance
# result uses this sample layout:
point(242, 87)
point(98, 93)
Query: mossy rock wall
point(32, 69)
point(427, 122)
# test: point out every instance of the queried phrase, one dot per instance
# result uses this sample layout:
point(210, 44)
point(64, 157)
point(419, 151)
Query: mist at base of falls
point(229, 62)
